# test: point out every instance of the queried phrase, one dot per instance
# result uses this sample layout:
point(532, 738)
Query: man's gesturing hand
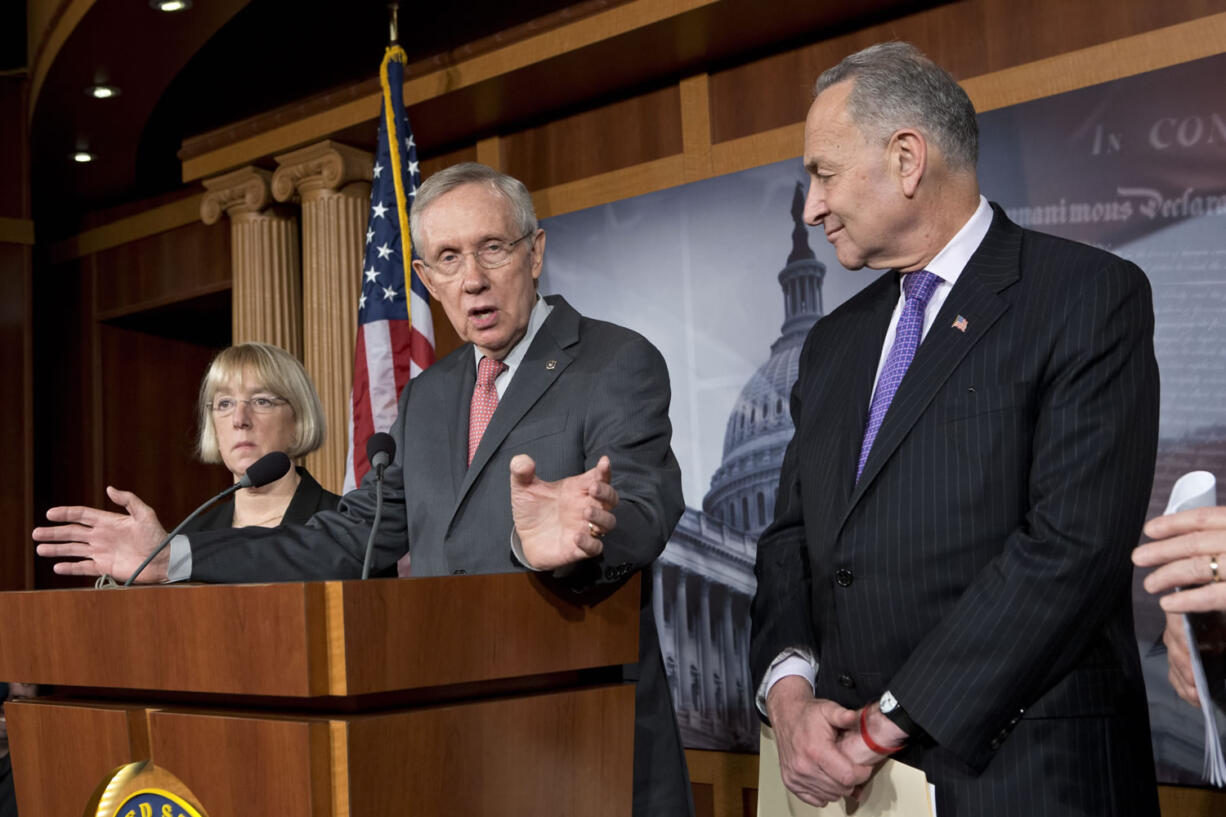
point(103, 541)
point(561, 522)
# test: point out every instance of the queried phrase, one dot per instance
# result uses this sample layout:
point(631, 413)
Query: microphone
point(268, 468)
point(380, 450)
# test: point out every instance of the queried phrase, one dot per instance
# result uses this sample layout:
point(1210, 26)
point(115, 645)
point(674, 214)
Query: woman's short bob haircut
point(277, 371)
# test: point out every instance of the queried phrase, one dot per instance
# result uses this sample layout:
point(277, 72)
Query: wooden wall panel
point(969, 38)
point(103, 739)
point(16, 417)
point(65, 415)
point(433, 164)
point(1182, 801)
point(14, 150)
point(148, 421)
point(163, 268)
point(502, 756)
point(284, 770)
point(725, 783)
point(611, 137)
point(16, 340)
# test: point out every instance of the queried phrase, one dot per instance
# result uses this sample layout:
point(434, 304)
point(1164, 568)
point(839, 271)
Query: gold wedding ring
point(598, 533)
point(1213, 566)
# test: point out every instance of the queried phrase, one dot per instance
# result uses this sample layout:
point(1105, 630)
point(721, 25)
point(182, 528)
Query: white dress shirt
point(540, 311)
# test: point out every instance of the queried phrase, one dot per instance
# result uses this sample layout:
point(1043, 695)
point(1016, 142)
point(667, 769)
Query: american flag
point(395, 333)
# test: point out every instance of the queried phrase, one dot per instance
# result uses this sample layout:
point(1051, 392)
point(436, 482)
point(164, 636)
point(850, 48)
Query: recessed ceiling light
point(102, 91)
point(171, 5)
point(82, 157)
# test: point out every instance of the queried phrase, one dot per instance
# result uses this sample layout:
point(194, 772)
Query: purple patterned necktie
point(918, 287)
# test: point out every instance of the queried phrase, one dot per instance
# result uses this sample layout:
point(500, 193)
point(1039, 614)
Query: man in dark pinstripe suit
point(947, 575)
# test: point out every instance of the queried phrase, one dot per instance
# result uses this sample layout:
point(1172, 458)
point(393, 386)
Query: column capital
point(321, 168)
point(241, 192)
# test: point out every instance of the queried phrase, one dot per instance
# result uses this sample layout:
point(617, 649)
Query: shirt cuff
point(180, 567)
point(517, 550)
point(789, 662)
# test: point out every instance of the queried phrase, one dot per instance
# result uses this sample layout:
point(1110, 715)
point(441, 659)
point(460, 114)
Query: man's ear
point(538, 254)
point(909, 159)
point(423, 272)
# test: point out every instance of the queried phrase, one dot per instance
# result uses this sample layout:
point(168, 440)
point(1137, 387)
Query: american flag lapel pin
point(960, 324)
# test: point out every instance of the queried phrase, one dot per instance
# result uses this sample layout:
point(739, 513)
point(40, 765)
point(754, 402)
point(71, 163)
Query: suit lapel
point(853, 387)
point(545, 361)
point(975, 297)
point(457, 425)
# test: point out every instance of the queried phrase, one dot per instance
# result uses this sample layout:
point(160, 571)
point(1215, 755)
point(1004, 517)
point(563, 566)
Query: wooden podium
point(473, 695)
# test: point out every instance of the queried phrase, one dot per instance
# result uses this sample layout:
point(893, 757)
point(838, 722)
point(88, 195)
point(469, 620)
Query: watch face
point(888, 703)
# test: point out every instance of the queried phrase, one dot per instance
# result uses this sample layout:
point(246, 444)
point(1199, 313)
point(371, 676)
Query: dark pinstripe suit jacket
point(980, 567)
point(585, 388)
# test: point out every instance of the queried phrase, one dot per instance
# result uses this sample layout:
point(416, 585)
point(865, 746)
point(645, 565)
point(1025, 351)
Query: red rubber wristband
point(868, 741)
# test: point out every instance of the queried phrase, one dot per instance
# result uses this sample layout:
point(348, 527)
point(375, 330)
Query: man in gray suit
point(540, 444)
point(946, 579)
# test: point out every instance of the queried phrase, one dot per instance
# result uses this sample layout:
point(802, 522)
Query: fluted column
point(332, 181)
point(706, 644)
point(733, 702)
point(681, 643)
point(749, 717)
point(266, 288)
point(657, 604)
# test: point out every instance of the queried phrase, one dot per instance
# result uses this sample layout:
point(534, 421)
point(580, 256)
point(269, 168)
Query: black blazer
point(309, 498)
point(980, 567)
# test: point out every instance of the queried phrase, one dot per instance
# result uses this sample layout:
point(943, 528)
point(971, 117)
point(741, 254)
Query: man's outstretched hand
point(103, 541)
point(560, 523)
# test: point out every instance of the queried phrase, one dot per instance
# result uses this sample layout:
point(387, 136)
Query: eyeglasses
point(260, 404)
point(492, 254)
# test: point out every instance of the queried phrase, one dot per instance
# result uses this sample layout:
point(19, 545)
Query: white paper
point(1198, 489)
point(895, 790)
point(1195, 489)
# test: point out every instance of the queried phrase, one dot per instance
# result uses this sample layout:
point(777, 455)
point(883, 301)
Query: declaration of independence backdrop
point(724, 279)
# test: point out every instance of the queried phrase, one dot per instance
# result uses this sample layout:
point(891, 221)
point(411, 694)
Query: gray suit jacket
point(585, 389)
point(979, 568)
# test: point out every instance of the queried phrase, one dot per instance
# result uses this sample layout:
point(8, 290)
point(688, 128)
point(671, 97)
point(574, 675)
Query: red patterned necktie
point(485, 400)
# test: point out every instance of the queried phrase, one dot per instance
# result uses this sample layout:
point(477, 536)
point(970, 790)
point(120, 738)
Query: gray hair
point(444, 181)
point(279, 372)
point(896, 86)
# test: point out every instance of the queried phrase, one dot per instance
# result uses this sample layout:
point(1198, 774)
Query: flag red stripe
point(400, 334)
point(422, 350)
point(363, 421)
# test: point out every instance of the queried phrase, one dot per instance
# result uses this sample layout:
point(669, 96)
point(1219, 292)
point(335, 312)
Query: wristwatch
point(892, 709)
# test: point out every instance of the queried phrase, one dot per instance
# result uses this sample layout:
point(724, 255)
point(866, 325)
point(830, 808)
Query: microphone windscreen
point(268, 468)
point(380, 443)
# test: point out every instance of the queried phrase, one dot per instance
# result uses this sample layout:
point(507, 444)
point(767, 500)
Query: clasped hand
point(822, 757)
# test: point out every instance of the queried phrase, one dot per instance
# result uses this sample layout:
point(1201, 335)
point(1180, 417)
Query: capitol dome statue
point(703, 582)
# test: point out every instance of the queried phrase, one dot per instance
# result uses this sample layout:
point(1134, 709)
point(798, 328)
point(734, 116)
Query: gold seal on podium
point(142, 790)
